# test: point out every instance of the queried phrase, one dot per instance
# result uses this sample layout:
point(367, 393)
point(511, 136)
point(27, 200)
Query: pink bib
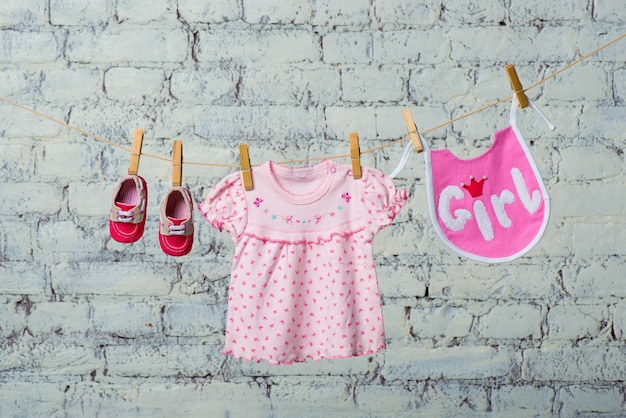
point(494, 207)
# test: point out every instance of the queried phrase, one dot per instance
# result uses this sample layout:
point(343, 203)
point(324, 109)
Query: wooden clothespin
point(355, 155)
point(246, 169)
point(135, 153)
point(177, 163)
point(413, 132)
point(516, 85)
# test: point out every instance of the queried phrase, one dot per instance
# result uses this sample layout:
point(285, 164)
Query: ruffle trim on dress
point(305, 358)
point(394, 208)
point(398, 202)
point(305, 240)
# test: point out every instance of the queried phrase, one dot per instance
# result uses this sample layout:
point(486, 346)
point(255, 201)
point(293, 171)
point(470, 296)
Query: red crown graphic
point(475, 188)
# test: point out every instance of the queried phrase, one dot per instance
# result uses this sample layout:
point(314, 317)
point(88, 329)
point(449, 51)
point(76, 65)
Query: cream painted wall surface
point(93, 328)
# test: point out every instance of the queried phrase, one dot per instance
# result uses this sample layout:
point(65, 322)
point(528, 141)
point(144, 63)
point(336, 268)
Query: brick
point(574, 364)
point(575, 322)
point(600, 162)
point(263, 46)
point(64, 85)
point(48, 358)
point(524, 12)
point(28, 47)
point(193, 319)
point(340, 121)
point(41, 399)
point(117, 123)
point(384, 400)
point(608, 11)
point(207, 278)
point(473, 13)
point(448, 399)
point(334, 397)
point(598, 200)
point(22, 278)
point(490, 84)
point(208, 86)
point(209, 11)
point(347, 48)
point(329, 13)
point(389, 244)
point(523, 400)
point(399, 281)
point(91, 198)
point(16, 237)
point(511, 321)
point(24, 198)
point(12, 318)
point(127, 278)
point(585, 400)
point(602, 122)
point(23, 12)
point(619, 86)
point(599, 239)
point(99, 398)
point(595, 280)
point(76, 12)
point(61, 318)
point(395, 318)
point(473, 362)
point(505, 44)
point(17, 123)
point(267, 85)
point(476, 138)
point(68, 237)
point(619, 320)
point(143, 11)
point(372, 84)
point(260, 122)
point(593, 36)
point(126, 319)
point(389, 120)
point(586, 82)
point(137, 85)
point(410, 46)
point(205, 399)
point(18, 80)
point(431, 321)
point(53, 160)
point(174, 360)
point(134, 45)
point(393, 13)
point(278, 12)
point(513, 281)
point(458, 83)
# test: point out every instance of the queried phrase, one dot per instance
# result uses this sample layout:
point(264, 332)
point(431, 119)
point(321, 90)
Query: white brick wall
point(91, 327)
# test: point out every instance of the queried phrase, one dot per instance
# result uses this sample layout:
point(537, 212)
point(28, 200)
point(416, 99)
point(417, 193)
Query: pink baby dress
point(303, 282)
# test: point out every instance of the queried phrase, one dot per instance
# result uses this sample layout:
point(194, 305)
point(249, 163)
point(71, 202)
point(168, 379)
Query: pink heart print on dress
point(494, 207)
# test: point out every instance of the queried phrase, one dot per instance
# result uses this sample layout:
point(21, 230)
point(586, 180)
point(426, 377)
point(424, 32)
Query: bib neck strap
point(408, 150)
point(515, 106)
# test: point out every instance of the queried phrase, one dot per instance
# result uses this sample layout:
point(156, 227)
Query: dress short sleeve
point(225, 206)
point(381, 199)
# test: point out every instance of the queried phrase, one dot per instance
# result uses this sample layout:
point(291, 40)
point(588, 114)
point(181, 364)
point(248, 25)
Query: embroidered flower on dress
point(346, 197)
point(257, 202)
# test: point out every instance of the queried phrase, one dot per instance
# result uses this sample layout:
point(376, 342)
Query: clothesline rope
point(369, 150)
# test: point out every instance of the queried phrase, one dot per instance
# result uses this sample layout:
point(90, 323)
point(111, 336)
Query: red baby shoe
point(127, 216)
point(176, 222)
